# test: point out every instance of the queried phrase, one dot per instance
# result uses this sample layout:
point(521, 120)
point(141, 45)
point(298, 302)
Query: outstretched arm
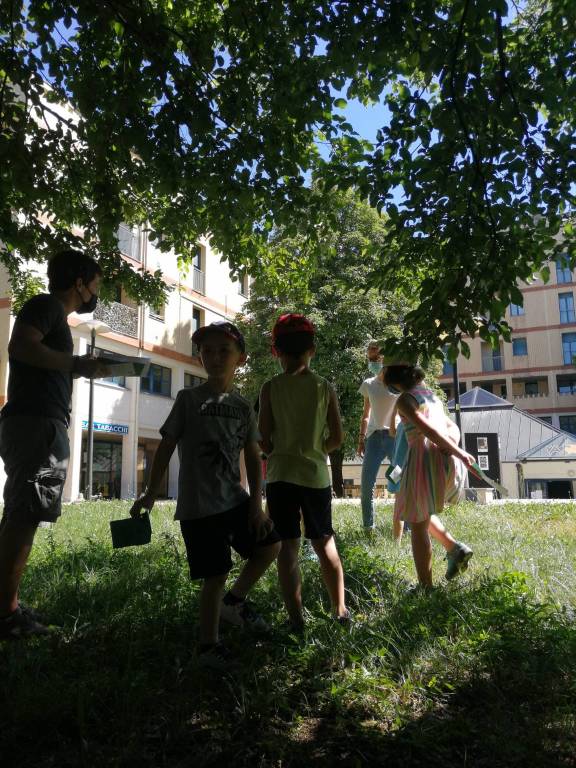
point(27, 346)
point(159, 465)
point(408, 407)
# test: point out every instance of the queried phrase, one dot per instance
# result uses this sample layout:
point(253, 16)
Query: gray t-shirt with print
point(211, 429)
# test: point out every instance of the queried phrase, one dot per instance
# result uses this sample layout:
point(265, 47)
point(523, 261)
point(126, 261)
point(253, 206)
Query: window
point(447, 366)
point(516, 309)
point(158, 313)
point(566, 302)
point(519, 347)
point(243, 285)
point(158, 381)
point(563, 271)
point(483, 462)
point(568, 424)
point(547, 419)
point(192, 381)
point(568, 348)
point(530, 387)
point(120, 381)
point(128, 243)
point(196, 323)
point(197, 258)
point(566, 386)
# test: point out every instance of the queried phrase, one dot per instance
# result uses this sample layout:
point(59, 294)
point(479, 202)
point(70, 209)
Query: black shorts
point(287, 501)
point(35, 451)
point(209, 541)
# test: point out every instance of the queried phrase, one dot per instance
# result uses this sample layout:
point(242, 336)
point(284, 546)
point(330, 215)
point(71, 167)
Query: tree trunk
point(336, 458)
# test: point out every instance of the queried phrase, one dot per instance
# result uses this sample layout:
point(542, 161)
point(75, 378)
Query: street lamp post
point(457, 414)
point(95, 327)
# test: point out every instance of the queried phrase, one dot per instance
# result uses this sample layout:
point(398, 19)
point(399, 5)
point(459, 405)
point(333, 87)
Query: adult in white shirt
point(375, 442)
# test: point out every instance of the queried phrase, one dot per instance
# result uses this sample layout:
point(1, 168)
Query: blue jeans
point(378, 446)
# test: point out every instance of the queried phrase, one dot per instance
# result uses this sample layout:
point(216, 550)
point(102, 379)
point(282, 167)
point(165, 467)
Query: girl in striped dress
point(433, 474)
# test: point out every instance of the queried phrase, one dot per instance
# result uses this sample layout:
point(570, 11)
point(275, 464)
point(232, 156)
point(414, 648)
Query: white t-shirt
point(211, 430)
point(382, 403)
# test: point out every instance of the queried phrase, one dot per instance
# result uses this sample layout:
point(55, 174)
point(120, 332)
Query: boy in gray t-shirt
point(210, 424)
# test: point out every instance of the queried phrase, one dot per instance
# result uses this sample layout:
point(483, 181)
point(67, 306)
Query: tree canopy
point(212, 118)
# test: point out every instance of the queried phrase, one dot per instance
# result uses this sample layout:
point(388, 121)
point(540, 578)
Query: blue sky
point(366, 120)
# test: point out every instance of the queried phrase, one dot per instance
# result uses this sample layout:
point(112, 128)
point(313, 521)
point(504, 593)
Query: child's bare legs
point(290, 580)
point(439, 532)
point(210, 598)
point(254, 568)
point(397, 530)
point(422, 552)
point(332, 572)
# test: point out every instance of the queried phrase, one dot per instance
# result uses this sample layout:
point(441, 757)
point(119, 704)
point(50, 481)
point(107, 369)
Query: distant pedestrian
point(375, 443)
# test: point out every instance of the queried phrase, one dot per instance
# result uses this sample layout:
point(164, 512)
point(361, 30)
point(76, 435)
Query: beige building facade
point(535, 371)
point(128, 412)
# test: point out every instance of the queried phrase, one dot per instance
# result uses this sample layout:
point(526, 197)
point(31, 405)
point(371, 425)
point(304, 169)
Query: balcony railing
point(492, 363)
point(119, 317)
point(526, 396)
point(198, 280)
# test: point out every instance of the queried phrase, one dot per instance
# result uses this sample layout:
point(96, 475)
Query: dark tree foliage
point(203, 117)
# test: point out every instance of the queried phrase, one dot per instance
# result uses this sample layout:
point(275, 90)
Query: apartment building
point(535, 370)
point(129, 411)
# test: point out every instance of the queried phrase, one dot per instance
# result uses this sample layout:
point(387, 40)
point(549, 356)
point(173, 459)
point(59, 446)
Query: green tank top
point(299, 430)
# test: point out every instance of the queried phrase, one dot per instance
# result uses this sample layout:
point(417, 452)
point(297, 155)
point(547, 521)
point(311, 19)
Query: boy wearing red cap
point(211, 424)
point(300, 424)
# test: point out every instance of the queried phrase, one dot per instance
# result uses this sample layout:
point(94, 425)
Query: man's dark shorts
point(209, 541)
point(287, 500)
point(35, 451)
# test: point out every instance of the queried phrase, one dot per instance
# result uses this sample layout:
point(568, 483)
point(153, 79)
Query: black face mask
point(88, 306)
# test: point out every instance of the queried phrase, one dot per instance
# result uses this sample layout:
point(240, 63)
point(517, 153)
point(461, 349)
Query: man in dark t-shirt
point(33, 424)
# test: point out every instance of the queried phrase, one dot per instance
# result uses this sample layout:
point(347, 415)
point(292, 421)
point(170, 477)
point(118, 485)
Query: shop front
point(106, 461)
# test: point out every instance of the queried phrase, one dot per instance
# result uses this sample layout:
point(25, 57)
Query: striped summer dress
point(430, 478)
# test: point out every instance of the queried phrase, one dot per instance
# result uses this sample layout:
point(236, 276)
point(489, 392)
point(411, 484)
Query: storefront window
point(106, 467)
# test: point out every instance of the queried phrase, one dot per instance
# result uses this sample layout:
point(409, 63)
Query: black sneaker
point(215, 656)
point(243, 615)
point(345, 620)
point(457, 558)
point(31, 612)
point(20, 624)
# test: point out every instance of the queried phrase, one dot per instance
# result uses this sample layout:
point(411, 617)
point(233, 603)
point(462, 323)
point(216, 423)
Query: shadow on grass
point(477, 674)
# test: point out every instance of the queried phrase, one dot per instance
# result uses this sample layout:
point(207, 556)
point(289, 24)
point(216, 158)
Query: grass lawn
point(480, 673)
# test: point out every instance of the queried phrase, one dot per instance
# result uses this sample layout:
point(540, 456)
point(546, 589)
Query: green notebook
point(131, 532)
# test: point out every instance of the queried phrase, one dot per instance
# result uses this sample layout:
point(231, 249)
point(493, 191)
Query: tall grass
point(479, 673)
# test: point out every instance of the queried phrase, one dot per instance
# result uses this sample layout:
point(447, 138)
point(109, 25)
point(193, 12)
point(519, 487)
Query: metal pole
point(90, 451)
point(457, 400)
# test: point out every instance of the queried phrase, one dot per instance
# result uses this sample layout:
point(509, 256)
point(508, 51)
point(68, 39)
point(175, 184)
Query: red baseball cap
point(222, 326)
point(292, 322)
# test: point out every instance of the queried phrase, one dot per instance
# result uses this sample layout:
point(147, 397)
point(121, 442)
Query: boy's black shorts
point(287, 500)
point(209, 539)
